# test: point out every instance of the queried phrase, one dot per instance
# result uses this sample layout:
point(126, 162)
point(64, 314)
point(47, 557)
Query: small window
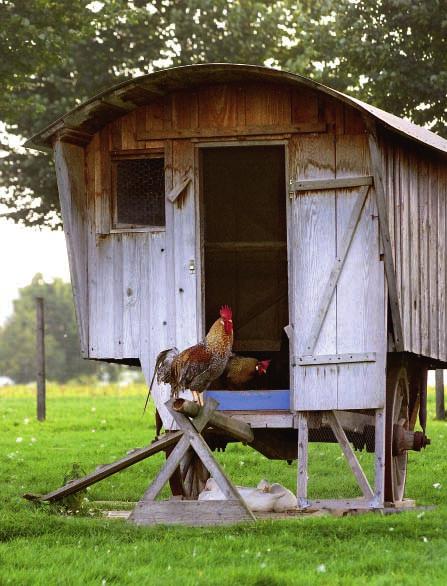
point(139, 192)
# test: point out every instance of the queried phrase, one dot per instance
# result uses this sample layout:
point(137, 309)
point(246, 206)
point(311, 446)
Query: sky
point(25, 252)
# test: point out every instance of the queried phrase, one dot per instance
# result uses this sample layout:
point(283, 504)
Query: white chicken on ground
point(264, 498)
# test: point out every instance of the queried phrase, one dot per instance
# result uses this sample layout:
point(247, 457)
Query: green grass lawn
point(38, 546)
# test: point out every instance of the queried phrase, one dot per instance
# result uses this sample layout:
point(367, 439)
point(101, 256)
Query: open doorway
point(245, 251)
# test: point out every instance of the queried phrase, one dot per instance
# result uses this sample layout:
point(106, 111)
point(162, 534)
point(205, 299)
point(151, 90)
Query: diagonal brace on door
point(331, 285)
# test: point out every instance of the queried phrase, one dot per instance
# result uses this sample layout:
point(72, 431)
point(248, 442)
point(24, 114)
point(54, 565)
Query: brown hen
point(242, 370)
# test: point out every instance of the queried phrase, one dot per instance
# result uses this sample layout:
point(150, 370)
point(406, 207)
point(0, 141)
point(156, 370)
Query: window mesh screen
point(140, 190)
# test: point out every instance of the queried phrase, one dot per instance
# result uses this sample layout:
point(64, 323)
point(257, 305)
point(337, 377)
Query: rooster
point(198, 366)
point(241, 370)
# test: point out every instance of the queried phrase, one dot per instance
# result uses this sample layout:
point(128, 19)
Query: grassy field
point(40, 546)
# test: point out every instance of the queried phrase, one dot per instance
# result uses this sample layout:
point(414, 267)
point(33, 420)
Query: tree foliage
point(390, 53)
point(60, 66)
point(18, 338)
point(57, 54)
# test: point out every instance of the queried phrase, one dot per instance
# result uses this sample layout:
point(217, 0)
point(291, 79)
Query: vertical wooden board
point(313, 215)
point(360, 290)
point(185, 110)
point(155, 115)
point(118, 297)
point(414, 260)
point(379, 449)
point(241, 106)
point(158, 308)
point(433, 247)
point(292, 152)
point(388, 184)
point(442, 261)
point(304, 104)
point(140, 121)
point(91, 233)
point(73, 195)
point(397, 224)
point(339, 118)
point(424, 193)
point(91, 151)
point(185, 245)
point(129, 131)
point(218, 106)
point(130, 292)
point(332, 113)
point(406, 252)
point(353, 121)
point(104, 195)
point(170, 245)
point(116, 139)
point(102, 313)
point(146, 287)
point(267, 105)
point(303, 457)
point(96, 156)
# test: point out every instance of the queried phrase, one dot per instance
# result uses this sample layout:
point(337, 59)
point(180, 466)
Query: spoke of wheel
point(398, 402)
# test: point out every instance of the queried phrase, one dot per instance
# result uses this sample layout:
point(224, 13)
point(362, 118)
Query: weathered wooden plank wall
point(361, 323)
point(356, 319)
point(116, 260)
point(415, 182)
point(313, 230)
point(72, 186)
point(226, 109)
point(127, 271)
point(417, 201)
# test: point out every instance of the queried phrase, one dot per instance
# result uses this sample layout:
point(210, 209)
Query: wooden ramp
point(108, 469)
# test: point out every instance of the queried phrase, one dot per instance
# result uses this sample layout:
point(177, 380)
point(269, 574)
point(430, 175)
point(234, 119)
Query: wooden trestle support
point(149, 511)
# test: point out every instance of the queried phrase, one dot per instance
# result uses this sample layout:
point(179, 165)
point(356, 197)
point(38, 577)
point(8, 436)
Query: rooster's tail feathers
point(162, 369)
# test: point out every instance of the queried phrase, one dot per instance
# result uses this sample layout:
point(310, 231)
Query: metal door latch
point(192, 266)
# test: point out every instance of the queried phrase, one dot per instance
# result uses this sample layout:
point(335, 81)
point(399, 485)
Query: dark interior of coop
point(244, 231)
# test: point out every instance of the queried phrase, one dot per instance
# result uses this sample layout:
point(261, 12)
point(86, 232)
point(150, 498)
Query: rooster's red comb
point(225, 312)
point(265, 363)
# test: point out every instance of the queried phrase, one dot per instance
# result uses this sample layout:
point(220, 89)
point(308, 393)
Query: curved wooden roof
point(92, 115)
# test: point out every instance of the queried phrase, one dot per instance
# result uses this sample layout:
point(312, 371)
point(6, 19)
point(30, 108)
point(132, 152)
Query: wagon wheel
point(190, 477)
point(397, 419)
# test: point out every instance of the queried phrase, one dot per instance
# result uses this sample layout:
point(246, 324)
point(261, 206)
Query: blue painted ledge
point(251, 400)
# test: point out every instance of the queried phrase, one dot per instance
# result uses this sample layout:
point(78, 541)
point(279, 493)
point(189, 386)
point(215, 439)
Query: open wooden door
point(339, 305)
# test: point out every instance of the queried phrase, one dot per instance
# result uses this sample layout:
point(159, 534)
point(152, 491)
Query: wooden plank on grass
point(193, 513)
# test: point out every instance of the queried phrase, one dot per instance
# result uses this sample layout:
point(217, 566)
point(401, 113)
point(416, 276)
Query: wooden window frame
point(125, 155)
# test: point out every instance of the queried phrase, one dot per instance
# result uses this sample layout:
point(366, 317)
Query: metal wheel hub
point(404, 439)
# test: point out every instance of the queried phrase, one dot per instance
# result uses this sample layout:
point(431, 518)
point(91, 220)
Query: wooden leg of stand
point(303, 442)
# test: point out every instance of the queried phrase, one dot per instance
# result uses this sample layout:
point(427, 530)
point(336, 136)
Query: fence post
point(40, 359)
point(440, 407)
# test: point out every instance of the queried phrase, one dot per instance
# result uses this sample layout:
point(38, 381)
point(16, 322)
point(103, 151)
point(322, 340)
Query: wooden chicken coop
point(319, 219)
